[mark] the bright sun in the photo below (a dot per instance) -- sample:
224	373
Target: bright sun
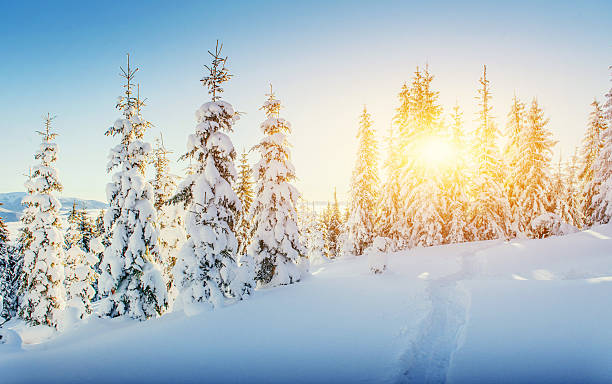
435	152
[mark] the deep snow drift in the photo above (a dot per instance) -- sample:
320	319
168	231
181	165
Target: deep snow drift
528	310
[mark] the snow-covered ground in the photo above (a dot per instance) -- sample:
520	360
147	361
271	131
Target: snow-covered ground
490	312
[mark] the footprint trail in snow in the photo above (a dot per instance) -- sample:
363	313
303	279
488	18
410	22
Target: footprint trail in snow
429	357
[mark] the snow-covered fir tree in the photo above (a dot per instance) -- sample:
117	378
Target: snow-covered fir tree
600	208
562	195
99	224
361	223
423	179
573	190
86	228
390	215
490	211
80	278
4	234
601	205
533	169
170	217
404	125
316	244
79	274
79	269
99	231
512	155
131	281
11	270
8	290
589	152
608	104
311	234
12	274
25	237
42	287
275	242
332	227
427	205
73	236
456	228
244	190
208	269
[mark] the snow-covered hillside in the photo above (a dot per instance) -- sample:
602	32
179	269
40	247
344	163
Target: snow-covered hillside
527	310
11	207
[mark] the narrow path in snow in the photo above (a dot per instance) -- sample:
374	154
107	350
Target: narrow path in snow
429	357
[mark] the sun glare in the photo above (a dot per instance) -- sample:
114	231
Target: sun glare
437	153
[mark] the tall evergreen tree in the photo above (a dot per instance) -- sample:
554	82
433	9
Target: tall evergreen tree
169	216
73	235
79	273
80	278
12	274
512	155
208	269
490	212
311	234
534	169
244	190
403	122
86	228
332	223
390	216
8	292
601	206
573	191
275	242
562	195
608	104
324	221
131	279
364	189
423	180
600	189
589	152
43	278
4	233
99	231
456	229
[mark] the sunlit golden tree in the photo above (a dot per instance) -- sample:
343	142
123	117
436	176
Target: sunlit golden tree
456	228
364	189
533	169
390	219
244	190
490	211
512	155
421	170
591	145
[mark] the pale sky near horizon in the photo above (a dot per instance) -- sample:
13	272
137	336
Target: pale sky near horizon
326	59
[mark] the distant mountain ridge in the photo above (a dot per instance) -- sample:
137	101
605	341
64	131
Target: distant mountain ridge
11	207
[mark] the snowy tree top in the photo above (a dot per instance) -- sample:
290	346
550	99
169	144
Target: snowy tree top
272	105
132	125
218	73
47	134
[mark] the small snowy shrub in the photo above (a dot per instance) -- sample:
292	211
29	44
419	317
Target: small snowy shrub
550	224
377	255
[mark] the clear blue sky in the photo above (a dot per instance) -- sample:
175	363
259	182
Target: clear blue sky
325	60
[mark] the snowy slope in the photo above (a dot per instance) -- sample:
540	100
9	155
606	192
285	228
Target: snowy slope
536	310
